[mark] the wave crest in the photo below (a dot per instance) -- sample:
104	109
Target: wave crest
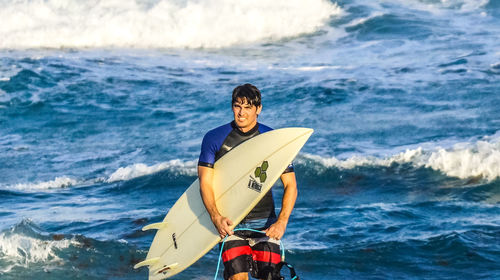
157	24
463	160
140	169
23	245
176	167
57	183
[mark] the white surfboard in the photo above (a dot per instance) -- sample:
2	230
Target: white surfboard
241	178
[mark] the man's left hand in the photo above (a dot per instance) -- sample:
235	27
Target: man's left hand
276	230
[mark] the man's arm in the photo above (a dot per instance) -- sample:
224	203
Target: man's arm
221	223
277	230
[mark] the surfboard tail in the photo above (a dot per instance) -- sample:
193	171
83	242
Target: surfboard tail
166	268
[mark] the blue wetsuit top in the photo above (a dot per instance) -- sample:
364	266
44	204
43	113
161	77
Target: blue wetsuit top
221	140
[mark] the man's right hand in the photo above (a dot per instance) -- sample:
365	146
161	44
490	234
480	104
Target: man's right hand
222	224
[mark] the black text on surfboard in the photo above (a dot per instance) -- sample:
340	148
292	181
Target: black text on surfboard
253	185
175	240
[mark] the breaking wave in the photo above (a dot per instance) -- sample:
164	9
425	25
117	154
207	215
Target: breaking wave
480	159
175	167
27	247
463	160
57	183
140	169
157	23
23	245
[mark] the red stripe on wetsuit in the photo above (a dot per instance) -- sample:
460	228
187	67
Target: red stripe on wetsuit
260	256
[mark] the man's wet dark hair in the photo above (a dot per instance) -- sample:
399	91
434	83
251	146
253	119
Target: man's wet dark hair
248	93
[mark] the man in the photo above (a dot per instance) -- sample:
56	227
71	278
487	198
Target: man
245	251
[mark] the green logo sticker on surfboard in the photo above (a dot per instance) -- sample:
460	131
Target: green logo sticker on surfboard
260	172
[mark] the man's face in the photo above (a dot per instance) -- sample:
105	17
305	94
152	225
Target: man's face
245	115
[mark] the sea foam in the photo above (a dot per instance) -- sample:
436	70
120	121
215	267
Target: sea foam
140	169
129	172
57	183
22	249
157	24
462	160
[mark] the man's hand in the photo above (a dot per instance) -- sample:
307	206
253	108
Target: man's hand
276	230
222	224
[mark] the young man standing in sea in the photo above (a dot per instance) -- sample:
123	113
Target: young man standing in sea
245	251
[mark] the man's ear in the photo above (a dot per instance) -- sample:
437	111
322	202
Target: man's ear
259	109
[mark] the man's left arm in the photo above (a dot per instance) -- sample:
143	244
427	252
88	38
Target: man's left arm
277	230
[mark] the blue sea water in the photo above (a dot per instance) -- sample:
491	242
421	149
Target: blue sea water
103	105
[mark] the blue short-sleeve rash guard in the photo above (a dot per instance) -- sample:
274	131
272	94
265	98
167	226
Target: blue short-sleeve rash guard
221	140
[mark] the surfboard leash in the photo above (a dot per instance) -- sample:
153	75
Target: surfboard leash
279	266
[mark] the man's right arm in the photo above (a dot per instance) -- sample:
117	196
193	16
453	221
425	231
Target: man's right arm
221	223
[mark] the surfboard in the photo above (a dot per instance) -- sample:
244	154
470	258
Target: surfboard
241	178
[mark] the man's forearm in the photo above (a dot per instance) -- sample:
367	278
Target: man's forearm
207	196
207	192
288	202
222	224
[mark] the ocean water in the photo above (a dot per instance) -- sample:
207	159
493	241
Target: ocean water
103	105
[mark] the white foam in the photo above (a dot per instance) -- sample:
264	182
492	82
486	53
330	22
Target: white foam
23	250
463	160
365	19
308	68
467	5
481	159
434	6
121	174
57	183
302	242
140	169
157	23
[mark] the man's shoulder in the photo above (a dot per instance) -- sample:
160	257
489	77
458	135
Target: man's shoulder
220	131
264	128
